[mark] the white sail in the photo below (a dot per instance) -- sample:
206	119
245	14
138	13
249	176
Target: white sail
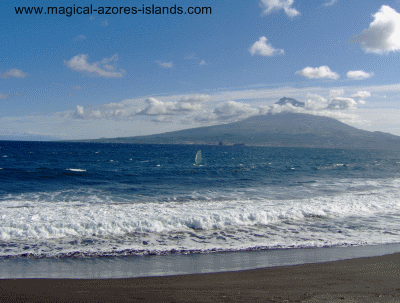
198	158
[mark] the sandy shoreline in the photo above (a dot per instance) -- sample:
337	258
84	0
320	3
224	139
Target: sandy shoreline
369	279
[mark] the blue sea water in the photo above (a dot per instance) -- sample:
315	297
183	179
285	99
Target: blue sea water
61	200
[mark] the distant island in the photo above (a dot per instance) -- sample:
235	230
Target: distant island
279	130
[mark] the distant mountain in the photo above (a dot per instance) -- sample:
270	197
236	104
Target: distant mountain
286	130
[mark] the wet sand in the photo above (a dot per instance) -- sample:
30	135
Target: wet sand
371	279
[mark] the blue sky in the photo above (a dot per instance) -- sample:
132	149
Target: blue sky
92	76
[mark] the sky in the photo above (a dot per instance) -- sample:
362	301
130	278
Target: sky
84	76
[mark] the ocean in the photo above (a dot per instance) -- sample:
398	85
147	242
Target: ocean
62	200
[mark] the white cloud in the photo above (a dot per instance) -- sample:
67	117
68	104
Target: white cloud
164	64
114	105
334	106
202	62
105	68
3	96
359	75
261	48
195	98
269	6
13	73
336	92
332	2
264	109
342	103
185	105
315	102
79	113
156	107
337	101
383	34
159	110
107	111
322	72
234	110
286	108
361	95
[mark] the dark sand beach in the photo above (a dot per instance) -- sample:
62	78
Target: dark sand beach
369	279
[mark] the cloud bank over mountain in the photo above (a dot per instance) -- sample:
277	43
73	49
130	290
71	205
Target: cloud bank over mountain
205	109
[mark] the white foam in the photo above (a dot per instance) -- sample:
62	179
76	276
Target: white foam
76	169
95	222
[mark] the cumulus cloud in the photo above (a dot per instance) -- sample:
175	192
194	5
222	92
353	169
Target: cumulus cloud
79	113
336	92
383	34
342	103
114	105
338	102
184	105
237	110
158	110
336	105
156	107
322	72
3	96
268	6
13	73
358	75
164	64
105	111
105	68
195	99
361	95
261	48
316	102
186	109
